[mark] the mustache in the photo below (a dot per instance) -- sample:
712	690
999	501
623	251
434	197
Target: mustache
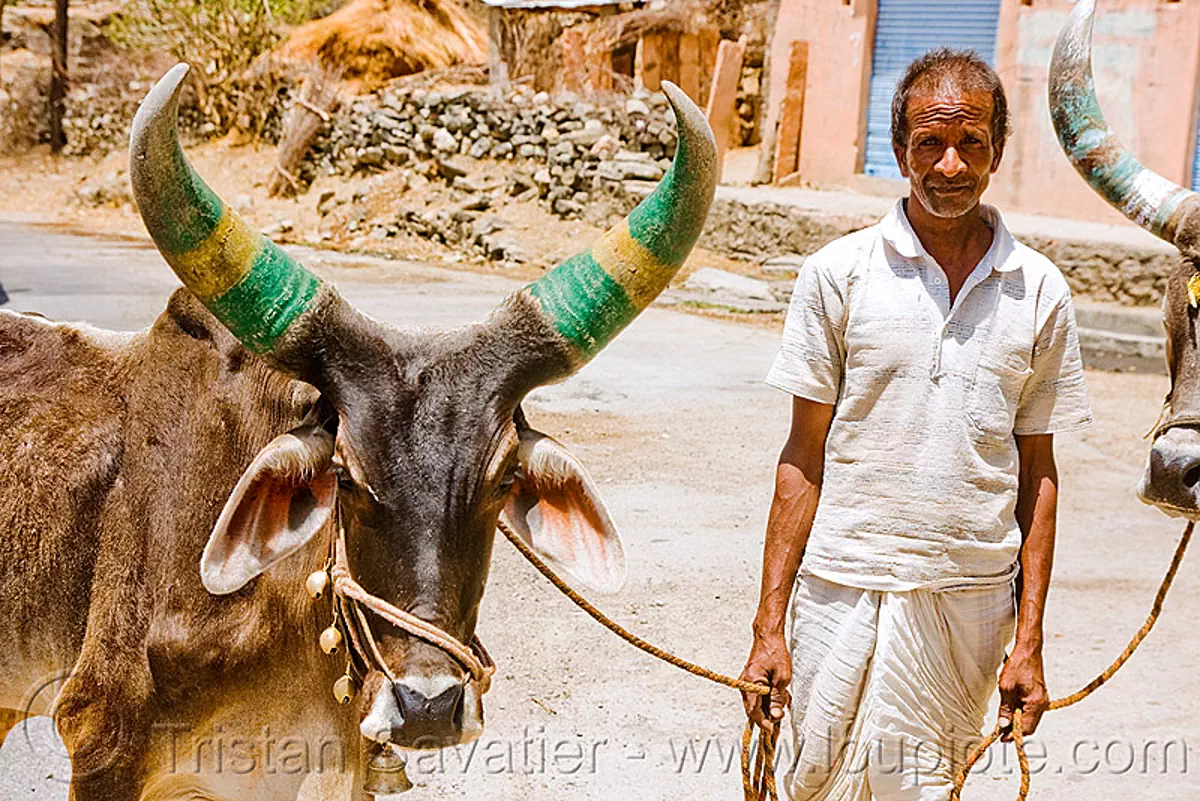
950	185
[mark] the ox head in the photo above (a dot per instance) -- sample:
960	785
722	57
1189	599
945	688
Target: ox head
419	444
1172	478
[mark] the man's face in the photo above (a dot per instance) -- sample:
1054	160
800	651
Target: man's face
949	155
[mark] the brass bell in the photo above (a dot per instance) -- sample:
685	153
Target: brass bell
387	773
316	584
331	640
344	689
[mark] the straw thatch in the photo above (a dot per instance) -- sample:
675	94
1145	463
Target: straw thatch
373	41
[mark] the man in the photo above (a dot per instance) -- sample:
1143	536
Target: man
931	358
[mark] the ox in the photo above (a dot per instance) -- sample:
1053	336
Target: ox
260	419
1171	481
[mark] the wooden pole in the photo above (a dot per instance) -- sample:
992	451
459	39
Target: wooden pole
722	100
497	68
791	113
689	66
574	61
58	76
649	61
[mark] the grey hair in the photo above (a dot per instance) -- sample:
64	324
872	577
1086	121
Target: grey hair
963	69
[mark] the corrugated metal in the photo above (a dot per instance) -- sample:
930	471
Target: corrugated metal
905	30
1196	161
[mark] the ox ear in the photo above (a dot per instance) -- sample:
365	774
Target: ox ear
283	499
555	507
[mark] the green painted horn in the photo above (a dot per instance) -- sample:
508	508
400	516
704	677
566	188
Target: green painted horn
1150	200
255	289
590	297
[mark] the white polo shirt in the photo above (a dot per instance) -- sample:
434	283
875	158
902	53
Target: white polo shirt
920	481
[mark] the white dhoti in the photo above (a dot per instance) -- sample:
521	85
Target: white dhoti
889	689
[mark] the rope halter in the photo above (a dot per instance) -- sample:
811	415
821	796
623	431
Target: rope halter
351	603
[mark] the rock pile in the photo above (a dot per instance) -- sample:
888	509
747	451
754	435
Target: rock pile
563	149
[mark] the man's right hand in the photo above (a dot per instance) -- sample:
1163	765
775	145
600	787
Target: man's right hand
769	663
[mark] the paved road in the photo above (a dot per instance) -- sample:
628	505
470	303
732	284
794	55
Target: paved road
680	433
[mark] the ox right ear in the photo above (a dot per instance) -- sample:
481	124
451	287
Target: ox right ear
282	500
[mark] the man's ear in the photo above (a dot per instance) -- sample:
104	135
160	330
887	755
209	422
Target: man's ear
555	507
283	499
900	162
997	157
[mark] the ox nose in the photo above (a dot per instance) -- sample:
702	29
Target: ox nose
430	703
423	712
1172	478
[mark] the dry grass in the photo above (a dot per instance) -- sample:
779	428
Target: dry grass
373	41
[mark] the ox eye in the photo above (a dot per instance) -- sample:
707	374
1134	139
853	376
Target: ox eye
343	478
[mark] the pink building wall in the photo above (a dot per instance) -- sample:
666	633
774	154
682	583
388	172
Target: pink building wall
1147	67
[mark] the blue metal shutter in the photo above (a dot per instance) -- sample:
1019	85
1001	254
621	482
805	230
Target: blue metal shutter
1196	161
906	30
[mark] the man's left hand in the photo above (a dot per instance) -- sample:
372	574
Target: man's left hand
1023	687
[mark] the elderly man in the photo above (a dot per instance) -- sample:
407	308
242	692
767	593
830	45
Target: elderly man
931	359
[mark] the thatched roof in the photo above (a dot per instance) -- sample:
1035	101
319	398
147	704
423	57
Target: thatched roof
375	40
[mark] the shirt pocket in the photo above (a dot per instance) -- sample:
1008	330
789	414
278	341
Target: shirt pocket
995	393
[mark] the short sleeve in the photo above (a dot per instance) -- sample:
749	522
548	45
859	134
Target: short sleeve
812	354
1055	399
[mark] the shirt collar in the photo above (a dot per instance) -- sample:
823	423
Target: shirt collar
897	232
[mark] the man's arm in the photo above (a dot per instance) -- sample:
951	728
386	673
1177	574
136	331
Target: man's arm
1022	682
797	488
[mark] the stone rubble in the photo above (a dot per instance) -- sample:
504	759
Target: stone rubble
565	151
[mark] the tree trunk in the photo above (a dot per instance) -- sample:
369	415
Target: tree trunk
766	148
58	76
3	3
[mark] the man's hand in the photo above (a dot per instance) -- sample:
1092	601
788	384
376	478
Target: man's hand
1023	686
769	663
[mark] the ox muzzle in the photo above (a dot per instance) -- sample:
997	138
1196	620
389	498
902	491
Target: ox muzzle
1172	478
436	699
422	709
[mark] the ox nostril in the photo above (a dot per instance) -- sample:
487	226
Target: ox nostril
384	718
1192	476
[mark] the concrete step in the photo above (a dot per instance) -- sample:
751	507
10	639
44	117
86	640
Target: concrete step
1121	338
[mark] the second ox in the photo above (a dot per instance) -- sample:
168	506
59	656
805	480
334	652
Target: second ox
1172	478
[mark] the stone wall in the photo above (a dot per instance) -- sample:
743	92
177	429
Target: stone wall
563	150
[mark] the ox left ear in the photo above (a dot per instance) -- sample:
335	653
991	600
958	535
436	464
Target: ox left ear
282	500
555	507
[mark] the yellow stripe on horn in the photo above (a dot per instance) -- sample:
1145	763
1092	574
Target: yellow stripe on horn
631	264
221	259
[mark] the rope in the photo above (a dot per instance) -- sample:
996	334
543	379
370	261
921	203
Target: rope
1018	736
479	666
758	775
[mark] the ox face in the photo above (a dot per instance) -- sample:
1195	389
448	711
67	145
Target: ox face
415	448
1172	477
417	443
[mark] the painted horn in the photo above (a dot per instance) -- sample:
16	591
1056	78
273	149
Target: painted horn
592	296
1142	195
255	289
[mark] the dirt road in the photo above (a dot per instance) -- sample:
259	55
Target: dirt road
679	431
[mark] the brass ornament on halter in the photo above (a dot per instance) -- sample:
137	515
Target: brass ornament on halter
345	688
317	584
331	640
387	773
1193	290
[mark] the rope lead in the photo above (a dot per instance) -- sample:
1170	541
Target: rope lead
758	765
